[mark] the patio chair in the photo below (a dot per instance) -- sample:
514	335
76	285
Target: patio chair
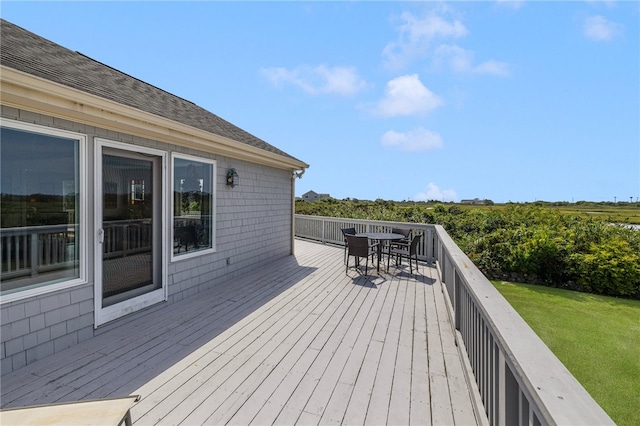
408	252
359	247
185	235
345	232
402	244
405	242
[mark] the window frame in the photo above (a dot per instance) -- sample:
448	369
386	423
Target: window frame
82	215
214	164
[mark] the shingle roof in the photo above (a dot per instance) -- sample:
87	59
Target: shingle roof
32	54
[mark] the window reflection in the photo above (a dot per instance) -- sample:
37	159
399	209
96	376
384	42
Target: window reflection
39	209
192	205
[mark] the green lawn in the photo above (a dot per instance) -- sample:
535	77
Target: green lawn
596	337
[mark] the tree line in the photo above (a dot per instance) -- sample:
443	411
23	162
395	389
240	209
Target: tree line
520	242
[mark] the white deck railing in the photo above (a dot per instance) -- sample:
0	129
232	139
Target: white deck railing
31	250
519	380
328	230
125	237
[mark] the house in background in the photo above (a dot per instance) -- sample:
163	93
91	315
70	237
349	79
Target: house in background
118	197
476	201
313	196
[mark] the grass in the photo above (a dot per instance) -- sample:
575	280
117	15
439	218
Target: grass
614	213
596	337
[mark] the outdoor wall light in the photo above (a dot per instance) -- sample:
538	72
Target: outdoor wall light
232	178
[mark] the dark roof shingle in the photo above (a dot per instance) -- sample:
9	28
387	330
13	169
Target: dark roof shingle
32	54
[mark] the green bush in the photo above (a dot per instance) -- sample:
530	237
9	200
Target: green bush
520	242
543	256
611	267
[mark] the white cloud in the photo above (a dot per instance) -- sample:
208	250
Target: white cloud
607	3
511	4
462	61
416	140
598	28
417	34
418	38
406	95
492	68
433	192
457	58
342	81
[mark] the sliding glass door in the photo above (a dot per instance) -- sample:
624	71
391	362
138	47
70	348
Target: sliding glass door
129	218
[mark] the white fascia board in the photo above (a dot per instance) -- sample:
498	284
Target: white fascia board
25	91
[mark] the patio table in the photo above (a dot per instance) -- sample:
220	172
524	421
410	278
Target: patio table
381	236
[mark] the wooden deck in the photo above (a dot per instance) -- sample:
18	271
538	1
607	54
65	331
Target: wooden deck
297	342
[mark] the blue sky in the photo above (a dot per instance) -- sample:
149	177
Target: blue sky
510	101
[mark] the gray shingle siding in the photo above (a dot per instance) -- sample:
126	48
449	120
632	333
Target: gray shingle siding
253	220
253	225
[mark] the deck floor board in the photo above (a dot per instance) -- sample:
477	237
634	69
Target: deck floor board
298	341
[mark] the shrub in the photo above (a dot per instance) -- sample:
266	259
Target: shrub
529	243
610	268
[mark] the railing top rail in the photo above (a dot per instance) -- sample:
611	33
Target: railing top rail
37	229
368	221
557	393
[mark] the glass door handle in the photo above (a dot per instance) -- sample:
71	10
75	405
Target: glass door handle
101	235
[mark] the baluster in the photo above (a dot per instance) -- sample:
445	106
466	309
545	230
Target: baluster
34	254
9	254
6	252
25	251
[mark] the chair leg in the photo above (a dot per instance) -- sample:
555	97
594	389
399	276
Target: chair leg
389	254
398	259
411	263
356	264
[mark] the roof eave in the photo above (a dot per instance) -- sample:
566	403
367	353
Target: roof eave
28	92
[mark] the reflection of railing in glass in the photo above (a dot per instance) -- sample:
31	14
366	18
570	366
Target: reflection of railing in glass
125	237
191	233
127	258
37	252
192	205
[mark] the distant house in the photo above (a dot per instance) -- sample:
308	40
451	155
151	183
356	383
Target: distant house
476	201
118	196
313	196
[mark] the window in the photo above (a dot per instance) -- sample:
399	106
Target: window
41	220
193	206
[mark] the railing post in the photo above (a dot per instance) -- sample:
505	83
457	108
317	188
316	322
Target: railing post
457	309
443	267
34	254
125	240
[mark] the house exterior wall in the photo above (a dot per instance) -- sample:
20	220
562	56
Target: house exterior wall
253	227
313	196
